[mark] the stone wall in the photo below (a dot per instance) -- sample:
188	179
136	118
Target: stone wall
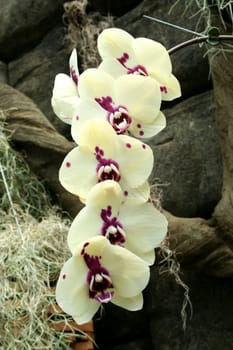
188	163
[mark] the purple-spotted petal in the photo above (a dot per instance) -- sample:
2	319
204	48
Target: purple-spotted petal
78	172
136	160
94	83
72	292
113	42
146	130
141	193
152	55
90	220
73	63
172	89
113	67
131	304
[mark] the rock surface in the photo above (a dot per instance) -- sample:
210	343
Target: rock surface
33	73
24	23
187	155
187	158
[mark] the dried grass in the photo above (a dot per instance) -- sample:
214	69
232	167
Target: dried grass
33	249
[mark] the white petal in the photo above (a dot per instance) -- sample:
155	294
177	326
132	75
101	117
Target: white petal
113	42
148	257
141	95
113	67
152	55
131	304
78	172
129	273
144	225
146	130
94	83
84	111
86	225
104	194
64	98
172	89
72	292
136	161
73	63
140	193
99	133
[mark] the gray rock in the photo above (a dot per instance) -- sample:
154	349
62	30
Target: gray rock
24	23
33	74
189	66
187	158
112	7
210	327
3	73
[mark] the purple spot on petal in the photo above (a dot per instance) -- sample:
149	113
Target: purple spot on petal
68	164
128	145
64	276
139	126
126	193
141	132
163	89
77	117
143	146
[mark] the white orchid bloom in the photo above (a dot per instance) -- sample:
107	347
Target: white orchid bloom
137	226
65	91
123	54
98	273
128	103
103	155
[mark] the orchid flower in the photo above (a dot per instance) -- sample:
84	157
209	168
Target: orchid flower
128	103
137	226
123	54
65	91
103	155
98	273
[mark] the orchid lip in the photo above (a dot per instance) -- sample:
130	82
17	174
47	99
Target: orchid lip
112	228
107	169
98	279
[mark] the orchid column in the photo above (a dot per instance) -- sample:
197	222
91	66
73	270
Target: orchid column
112	239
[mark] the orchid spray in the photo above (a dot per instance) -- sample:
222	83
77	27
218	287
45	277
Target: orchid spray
111	109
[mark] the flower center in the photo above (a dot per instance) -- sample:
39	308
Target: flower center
98	278
112	228
119	119
118	116
107	169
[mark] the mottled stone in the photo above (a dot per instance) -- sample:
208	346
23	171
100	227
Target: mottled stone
33	74
3	72
24	23
188	160
112	7
209	328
